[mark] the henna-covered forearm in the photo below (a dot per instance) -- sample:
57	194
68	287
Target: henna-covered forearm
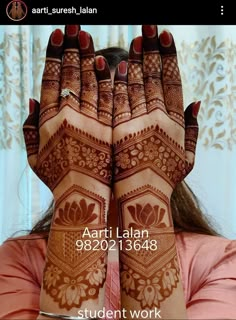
150	272
69	143
154	143
73	276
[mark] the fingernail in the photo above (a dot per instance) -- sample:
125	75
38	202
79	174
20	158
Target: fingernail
150	31
84	39
165	38
138	45
31	106
196	108
100	63
122	68
57	38
72	30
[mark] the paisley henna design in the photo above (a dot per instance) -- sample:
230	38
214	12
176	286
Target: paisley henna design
72	149
150	148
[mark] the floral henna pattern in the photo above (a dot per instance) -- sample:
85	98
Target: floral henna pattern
71	291
150	148
141	213
150	292
148	275
76	214
74	275
75	150
147	216
90	208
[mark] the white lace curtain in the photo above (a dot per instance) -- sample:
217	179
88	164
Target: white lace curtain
207	60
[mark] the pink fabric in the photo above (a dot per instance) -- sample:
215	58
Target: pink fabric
208	268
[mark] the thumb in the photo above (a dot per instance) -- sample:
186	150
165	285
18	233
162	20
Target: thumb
31	133
191	133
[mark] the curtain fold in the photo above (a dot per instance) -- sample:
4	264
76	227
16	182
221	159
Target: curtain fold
207	61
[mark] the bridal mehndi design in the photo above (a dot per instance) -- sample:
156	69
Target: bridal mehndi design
153	151
69	148
69	139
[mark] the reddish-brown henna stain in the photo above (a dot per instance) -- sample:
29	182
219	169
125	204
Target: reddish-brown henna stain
71	276
149	276
72	149
150	148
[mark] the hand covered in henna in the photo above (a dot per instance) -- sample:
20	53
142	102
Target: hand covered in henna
153	137
70	131
68	139
154	143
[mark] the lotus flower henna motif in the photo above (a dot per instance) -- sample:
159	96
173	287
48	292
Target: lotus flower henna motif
76	213
147	216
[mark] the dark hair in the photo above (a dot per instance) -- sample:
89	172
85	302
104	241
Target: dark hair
113	55
186	209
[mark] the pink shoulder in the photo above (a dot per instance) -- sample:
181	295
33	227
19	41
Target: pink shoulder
24	254
204	259
22	243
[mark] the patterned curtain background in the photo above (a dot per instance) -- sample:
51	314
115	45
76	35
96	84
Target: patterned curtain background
207	60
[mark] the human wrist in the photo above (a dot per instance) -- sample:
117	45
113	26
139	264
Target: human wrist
138	181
